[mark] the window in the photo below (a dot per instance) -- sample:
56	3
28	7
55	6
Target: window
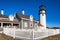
0	24
25	24
31	24
42	14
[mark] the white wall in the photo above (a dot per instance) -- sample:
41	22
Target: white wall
43	20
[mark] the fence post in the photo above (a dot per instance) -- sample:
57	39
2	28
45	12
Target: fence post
14	32
33	34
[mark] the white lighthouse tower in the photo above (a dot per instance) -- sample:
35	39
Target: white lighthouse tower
42	16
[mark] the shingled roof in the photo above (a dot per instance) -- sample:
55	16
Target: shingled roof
7	20
3	16
22	16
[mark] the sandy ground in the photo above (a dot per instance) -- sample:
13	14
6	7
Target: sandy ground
54	37
5	37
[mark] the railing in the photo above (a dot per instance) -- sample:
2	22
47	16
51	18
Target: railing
29	33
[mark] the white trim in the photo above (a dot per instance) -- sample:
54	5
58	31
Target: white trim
25	18
10	22
6	22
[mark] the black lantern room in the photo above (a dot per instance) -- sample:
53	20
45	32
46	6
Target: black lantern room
42	9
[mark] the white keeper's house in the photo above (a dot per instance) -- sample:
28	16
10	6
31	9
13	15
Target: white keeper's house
23	21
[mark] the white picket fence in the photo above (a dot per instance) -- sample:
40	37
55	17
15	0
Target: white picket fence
29	33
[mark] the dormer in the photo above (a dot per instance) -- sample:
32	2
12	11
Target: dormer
11	17
31	18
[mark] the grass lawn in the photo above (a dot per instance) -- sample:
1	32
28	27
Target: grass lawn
54	37
5	37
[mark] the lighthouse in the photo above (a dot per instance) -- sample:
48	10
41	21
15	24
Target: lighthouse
42	16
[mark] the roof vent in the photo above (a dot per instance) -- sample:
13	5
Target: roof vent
2	11
23	11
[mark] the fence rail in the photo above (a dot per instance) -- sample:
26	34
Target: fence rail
30	34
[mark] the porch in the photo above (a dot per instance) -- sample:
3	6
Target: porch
8	24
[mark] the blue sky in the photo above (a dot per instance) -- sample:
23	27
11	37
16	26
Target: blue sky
32	7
